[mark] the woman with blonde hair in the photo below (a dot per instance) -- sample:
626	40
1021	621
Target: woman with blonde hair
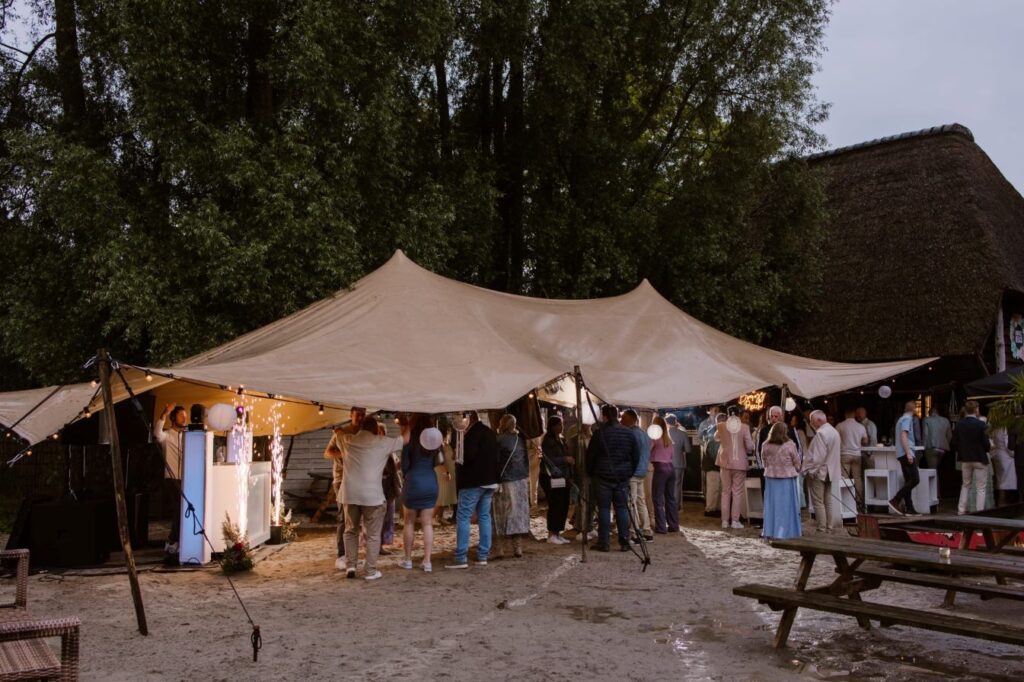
666	506
781	493
512	499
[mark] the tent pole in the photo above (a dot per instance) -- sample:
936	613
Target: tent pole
783	396
581	465
103	361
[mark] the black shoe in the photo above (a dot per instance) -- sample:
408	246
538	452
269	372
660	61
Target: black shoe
649	537
600	547
623	548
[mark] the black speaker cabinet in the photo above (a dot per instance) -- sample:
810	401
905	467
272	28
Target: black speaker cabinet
68	533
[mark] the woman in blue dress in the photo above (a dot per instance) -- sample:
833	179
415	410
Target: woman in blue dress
781	498
419	493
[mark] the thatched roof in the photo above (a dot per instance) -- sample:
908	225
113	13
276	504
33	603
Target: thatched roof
923	236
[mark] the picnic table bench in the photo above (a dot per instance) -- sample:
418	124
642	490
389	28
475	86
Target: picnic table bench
843	594
998	534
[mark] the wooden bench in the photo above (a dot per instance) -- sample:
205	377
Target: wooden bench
784	599
985	590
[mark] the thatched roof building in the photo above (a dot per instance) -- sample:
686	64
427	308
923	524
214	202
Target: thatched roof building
925	242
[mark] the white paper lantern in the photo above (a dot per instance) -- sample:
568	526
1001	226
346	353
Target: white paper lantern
431	439
220	417
884	391
654	431
588	416
790	404
733	424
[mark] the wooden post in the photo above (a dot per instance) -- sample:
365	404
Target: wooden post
103	362
1000	339
581	466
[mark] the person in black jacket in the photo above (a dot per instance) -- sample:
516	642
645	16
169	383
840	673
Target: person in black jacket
971	443
476	478
612	457
556	465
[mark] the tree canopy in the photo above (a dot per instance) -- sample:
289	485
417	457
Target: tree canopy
177	172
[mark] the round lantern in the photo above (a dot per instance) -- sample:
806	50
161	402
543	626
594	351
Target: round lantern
884	391
654	431
431	439
221	417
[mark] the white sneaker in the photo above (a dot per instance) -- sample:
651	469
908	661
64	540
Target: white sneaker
427	568
340	563
562	541
554	540
725	524
737	525
406	564
376	575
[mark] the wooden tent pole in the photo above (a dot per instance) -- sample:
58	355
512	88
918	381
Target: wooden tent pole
581	455
103	361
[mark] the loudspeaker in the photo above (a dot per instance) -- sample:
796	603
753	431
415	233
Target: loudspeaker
67	533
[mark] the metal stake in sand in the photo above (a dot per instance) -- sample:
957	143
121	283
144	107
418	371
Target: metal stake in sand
103	362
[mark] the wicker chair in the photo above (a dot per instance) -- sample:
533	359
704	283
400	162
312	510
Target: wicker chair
24	652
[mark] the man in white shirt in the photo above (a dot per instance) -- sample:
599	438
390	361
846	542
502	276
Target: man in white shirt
335	451
170	442
363	495
821	467
853	436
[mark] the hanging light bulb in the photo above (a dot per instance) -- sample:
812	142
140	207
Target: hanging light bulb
55	436
94	383
149	377
320	409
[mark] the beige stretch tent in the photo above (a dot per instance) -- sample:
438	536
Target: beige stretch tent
403	338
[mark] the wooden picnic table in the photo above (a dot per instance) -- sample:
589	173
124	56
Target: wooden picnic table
843	594
967	526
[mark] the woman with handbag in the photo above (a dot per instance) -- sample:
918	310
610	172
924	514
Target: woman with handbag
512	499
555	472
420	490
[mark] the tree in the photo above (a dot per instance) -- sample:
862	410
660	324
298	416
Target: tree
176	173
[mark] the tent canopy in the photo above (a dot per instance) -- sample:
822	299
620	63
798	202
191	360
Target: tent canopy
995	386
403	338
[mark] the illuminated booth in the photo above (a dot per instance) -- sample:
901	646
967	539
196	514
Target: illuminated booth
222	481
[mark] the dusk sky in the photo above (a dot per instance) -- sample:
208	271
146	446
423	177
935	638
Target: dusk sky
894	66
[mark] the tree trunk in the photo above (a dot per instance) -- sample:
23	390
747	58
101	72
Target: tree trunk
514	162
259	93
69	69
444	120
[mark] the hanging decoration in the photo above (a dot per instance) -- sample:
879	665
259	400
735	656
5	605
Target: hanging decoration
1017	337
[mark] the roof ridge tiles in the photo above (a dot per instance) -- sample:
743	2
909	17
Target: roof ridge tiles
949	128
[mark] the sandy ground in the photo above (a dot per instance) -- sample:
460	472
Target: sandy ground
546	615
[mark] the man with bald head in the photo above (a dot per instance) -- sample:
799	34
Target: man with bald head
821	467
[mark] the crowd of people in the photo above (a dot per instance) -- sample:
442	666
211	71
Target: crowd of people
485	475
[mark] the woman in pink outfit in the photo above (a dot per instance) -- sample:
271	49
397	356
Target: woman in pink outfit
735	445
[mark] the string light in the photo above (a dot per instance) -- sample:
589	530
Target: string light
320	409
94	383
530	396
28	453
149	377
55	436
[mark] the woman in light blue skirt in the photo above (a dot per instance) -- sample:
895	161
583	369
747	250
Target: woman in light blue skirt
781	494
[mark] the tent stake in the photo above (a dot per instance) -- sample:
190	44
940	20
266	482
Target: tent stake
581	455
103	360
